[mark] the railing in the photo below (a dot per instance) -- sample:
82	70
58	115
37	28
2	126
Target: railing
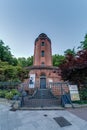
7	85
61	89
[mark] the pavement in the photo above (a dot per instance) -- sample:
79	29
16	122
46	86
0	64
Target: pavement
80	112
40	119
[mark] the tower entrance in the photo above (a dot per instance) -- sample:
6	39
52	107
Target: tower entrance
43	81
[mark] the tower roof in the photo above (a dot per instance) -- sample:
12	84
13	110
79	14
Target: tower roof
42	36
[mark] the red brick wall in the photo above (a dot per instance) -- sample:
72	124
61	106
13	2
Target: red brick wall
50	74
38	59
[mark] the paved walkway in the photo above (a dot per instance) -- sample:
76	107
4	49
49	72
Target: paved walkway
80	112
38	120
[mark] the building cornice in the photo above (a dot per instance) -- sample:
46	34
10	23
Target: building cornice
42	67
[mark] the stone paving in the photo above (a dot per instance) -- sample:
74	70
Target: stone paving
80	112
37	120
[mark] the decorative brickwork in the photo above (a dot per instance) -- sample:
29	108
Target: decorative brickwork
43	73
42	51
42	67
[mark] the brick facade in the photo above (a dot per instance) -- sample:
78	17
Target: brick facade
42	45
46	75
52	74
42	63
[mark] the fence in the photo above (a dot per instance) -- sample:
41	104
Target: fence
57	88
9	85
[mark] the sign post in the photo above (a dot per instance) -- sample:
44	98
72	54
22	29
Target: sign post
74	92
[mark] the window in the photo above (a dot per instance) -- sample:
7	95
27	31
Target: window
42	44
42	53
42	63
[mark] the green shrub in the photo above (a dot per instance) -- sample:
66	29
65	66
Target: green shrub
15	92
83	94
9	95
2	94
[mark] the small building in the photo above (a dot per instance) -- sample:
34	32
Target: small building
43	73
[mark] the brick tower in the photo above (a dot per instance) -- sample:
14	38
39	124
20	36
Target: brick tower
42	51
42	71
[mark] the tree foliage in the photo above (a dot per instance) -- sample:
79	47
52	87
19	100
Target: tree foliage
24	62
57	59
84	43
12	73
5	54
11	68
30	61
70	52
74	68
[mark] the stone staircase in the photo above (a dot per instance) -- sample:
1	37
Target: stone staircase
43	94
42	98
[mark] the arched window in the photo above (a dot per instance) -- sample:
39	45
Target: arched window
42	53
42	44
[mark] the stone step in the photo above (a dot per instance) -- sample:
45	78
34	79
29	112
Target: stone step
41	102
42	98
43	94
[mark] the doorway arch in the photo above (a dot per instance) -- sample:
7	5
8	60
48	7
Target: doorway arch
42	81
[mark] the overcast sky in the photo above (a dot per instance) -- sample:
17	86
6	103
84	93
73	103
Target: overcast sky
21	21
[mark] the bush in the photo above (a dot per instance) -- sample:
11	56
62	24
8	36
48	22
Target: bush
9	95
83	94
15	92
1	94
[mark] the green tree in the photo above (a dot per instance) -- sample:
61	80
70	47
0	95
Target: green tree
22	61
22	73
2	76
5	54
14	61
57	59
30	61
10	73
84	43
70	52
